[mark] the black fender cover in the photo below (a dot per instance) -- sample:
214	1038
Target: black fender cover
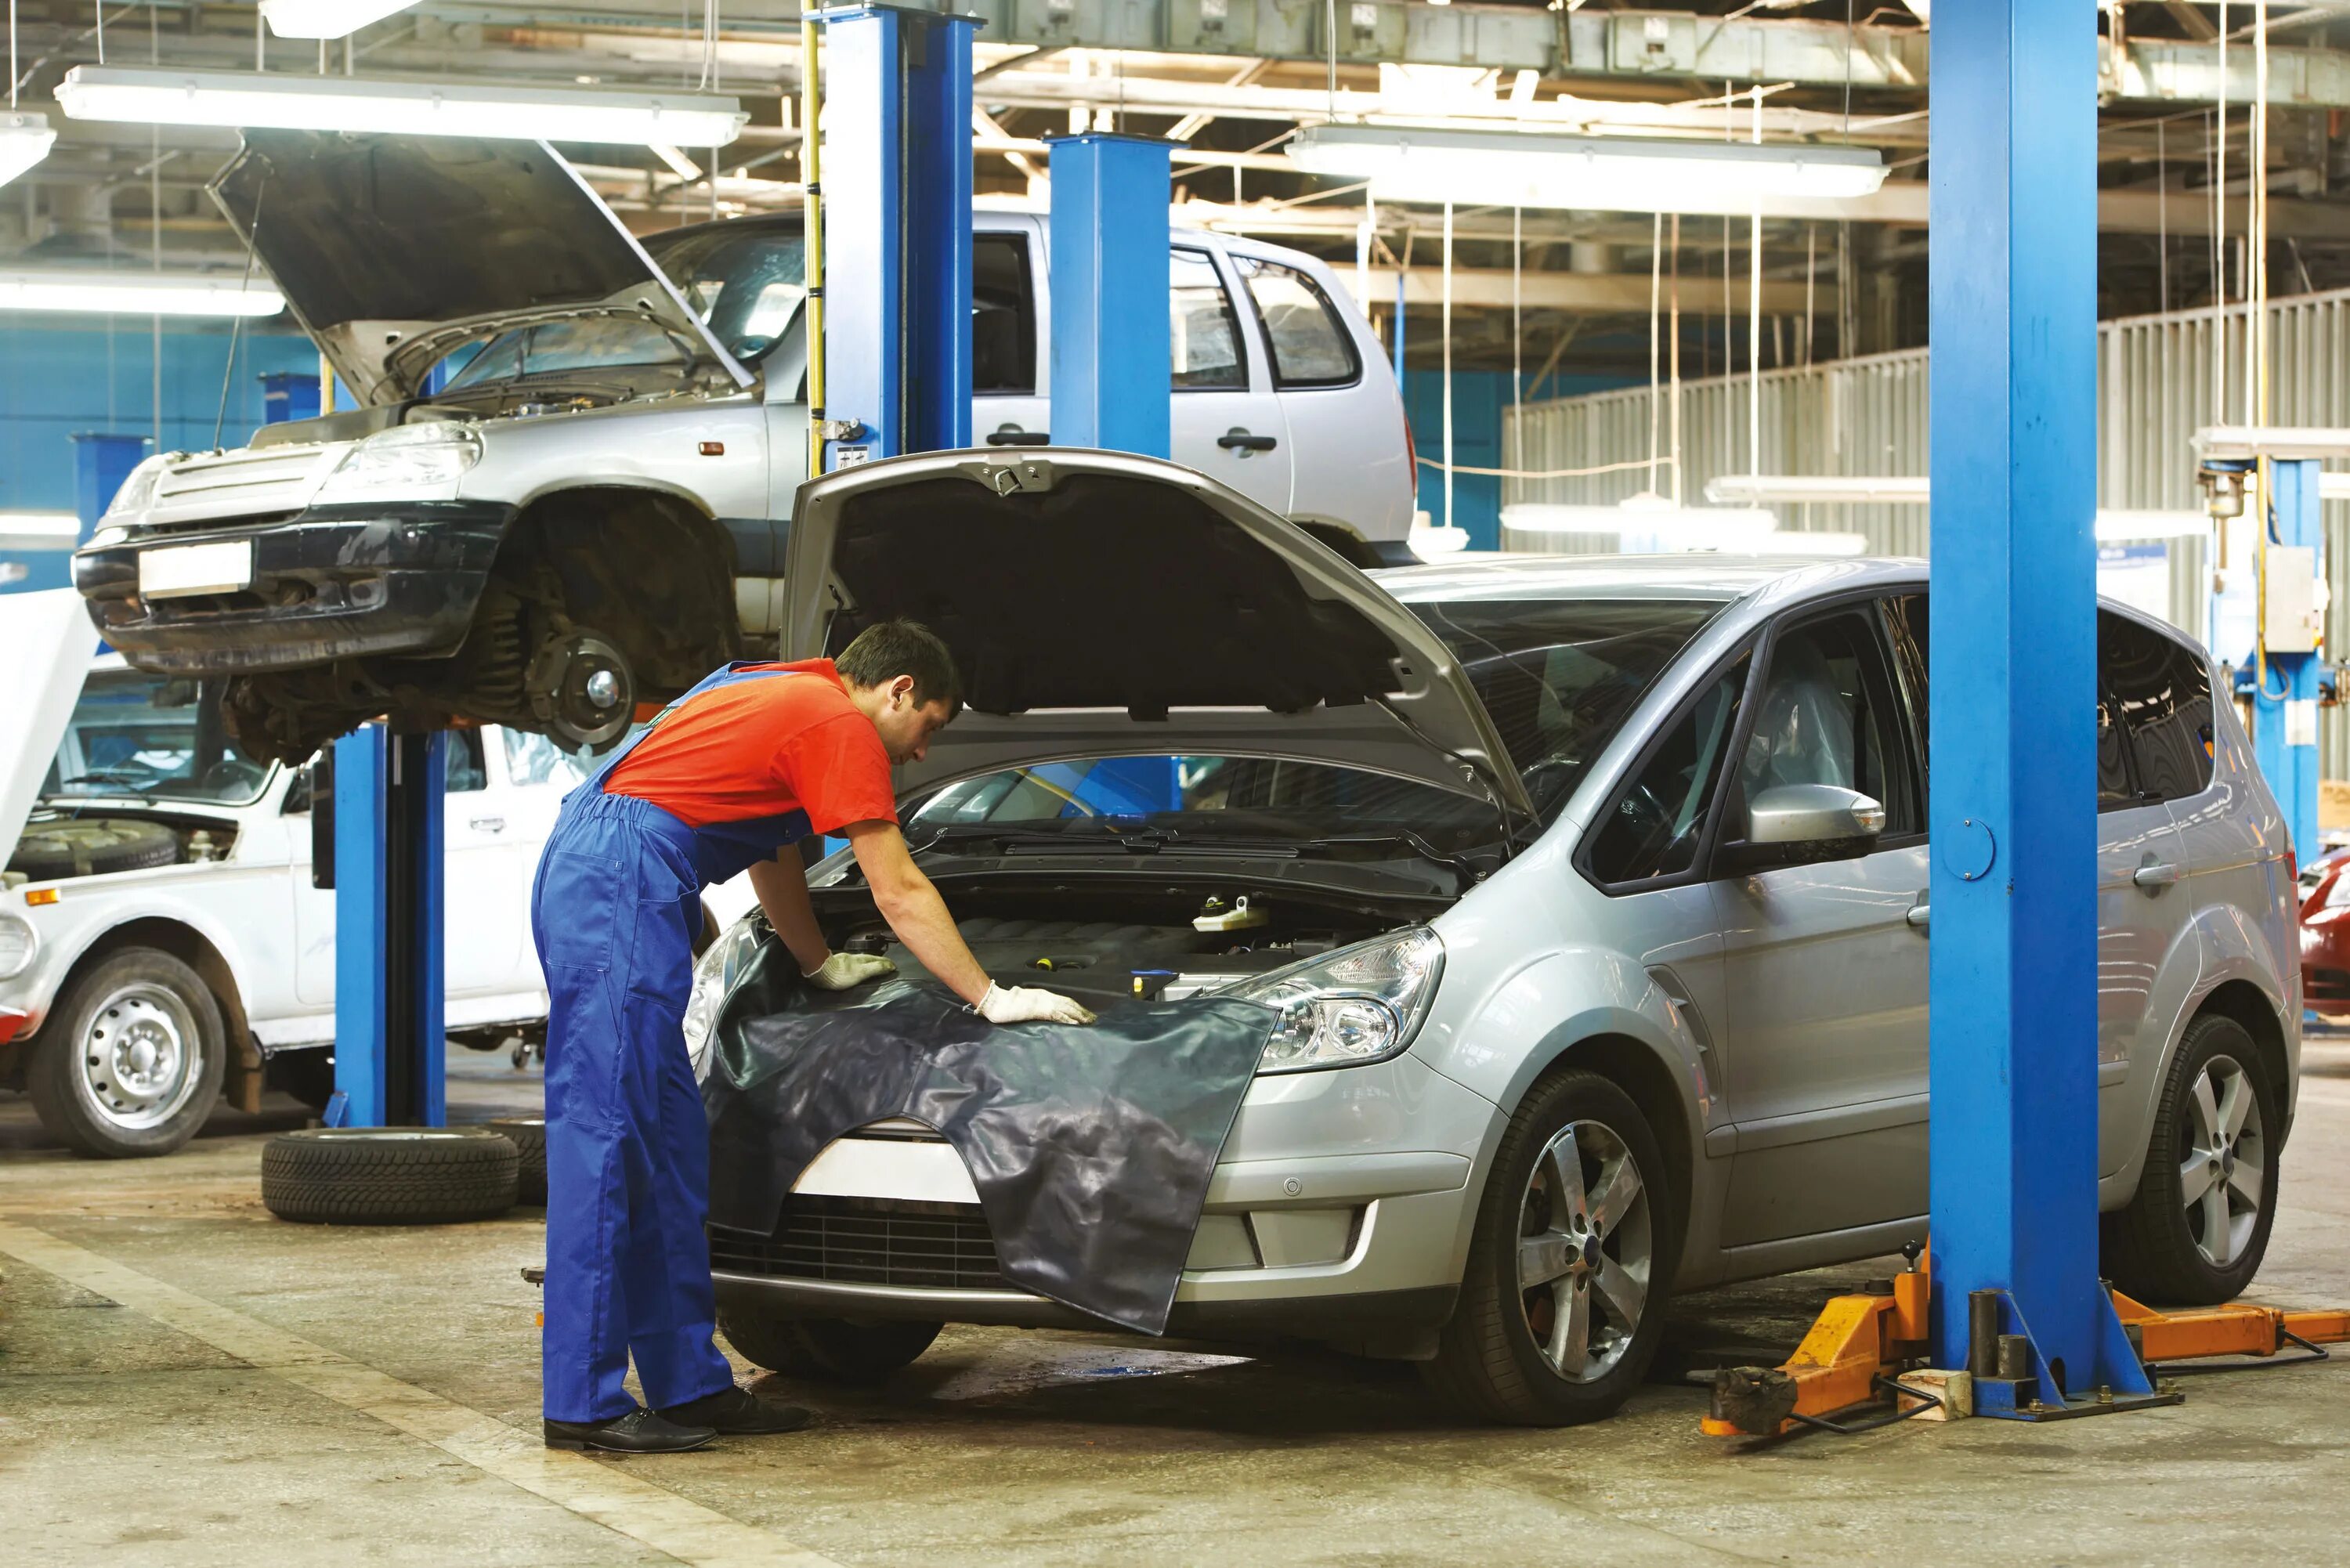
1090	1146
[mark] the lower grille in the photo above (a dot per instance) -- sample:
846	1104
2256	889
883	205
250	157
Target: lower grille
860	1240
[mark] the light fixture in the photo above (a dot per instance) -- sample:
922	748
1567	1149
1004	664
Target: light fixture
1521	169
1428	543
24	139
326	18
2114	525
148	95
1830	489
1647	523
128	293
22	531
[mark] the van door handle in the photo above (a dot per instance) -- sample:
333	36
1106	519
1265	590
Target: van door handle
1013	435
487	823
1920	916
1239	440
2155	875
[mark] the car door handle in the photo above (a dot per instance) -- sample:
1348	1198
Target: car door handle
2155	875
486	823
1920	916
1237	440
1011	435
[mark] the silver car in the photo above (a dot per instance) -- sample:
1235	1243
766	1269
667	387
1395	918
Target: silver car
1591	894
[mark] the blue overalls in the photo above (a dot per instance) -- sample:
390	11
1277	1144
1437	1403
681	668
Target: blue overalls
614	912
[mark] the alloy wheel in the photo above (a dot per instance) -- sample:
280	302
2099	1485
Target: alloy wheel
141	1057
1586	1247
2223	1169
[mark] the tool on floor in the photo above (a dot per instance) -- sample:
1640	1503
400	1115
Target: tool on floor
1866	1356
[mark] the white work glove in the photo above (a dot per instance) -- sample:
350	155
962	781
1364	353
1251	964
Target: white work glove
1027	1004
842	971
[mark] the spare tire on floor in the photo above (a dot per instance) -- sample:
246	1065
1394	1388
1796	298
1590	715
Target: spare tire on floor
529	1135
387	1176
91	846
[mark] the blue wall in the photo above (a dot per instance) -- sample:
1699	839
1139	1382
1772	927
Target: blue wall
56	380
1478	399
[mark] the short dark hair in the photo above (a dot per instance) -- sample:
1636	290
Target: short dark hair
888	649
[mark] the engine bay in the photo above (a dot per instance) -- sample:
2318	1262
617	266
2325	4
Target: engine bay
57	846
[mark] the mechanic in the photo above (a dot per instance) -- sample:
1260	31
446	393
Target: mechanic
729	777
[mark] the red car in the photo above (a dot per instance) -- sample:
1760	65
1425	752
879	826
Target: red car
2325	933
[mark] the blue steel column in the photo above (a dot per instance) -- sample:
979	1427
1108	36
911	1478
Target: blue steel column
2285	736
389	958
1110	274
2012	256
896	218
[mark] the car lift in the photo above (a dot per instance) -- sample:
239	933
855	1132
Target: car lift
2009	1293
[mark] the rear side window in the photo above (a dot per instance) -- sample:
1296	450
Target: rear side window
1311	346
467	769
1654	827
1002	315
1202	330
2161	692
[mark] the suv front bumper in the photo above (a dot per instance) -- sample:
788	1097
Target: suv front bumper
332	582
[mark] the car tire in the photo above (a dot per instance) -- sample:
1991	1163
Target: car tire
1541	1274
2198	1227
129	1062
387	1176
529	1135
92	847
826	1350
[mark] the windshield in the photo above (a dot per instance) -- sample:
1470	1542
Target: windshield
746	282
1203	798
589	343
152	735
1561	676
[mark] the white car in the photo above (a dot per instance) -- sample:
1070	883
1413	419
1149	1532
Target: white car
564	492
160	937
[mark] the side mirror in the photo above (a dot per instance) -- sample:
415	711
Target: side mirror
1812	814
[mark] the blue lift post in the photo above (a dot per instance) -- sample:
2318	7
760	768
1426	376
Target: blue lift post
387	850
1111	347
2284	682
2013	250
897	221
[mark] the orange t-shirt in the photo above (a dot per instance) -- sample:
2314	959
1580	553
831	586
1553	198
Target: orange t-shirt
767	746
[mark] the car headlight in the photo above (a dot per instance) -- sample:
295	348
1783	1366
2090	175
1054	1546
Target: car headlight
18	943
1361	1003
2339	894
138	492
714	973
405	457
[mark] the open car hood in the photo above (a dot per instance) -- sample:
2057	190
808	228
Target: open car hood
49	641
1103	604
392	251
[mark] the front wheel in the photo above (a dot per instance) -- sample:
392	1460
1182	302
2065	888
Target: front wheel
129	1061
1559	1309
2198	1227
826	1350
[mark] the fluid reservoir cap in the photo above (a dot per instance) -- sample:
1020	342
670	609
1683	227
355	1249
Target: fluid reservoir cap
1970	850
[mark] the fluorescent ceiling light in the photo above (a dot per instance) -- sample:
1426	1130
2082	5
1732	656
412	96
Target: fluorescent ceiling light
39	530
1837	489
1429	543
1513	168
2119	525
147	95
24	139
326	18
138	294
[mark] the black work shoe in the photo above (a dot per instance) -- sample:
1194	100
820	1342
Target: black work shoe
737	1411
640	1431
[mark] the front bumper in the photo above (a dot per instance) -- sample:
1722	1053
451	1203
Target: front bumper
332	582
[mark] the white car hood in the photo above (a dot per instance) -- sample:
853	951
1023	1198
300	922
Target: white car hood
48	632
392	251
1099	603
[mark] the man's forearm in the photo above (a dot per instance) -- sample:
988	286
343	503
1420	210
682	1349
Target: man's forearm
782	887
920	917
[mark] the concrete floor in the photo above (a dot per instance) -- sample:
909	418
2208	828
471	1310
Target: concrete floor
185	1380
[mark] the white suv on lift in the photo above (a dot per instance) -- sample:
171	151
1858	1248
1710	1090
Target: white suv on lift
564	492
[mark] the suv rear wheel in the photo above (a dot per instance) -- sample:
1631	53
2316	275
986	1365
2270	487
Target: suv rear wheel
2196	1230
1561	1308
129	1061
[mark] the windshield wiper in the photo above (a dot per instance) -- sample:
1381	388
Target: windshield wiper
1460	866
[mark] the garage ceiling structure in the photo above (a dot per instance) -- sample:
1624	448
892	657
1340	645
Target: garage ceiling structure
1235	80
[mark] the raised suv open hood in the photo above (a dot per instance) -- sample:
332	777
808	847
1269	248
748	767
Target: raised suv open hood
1099	603
393	250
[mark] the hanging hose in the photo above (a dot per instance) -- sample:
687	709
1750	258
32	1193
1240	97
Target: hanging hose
811	239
